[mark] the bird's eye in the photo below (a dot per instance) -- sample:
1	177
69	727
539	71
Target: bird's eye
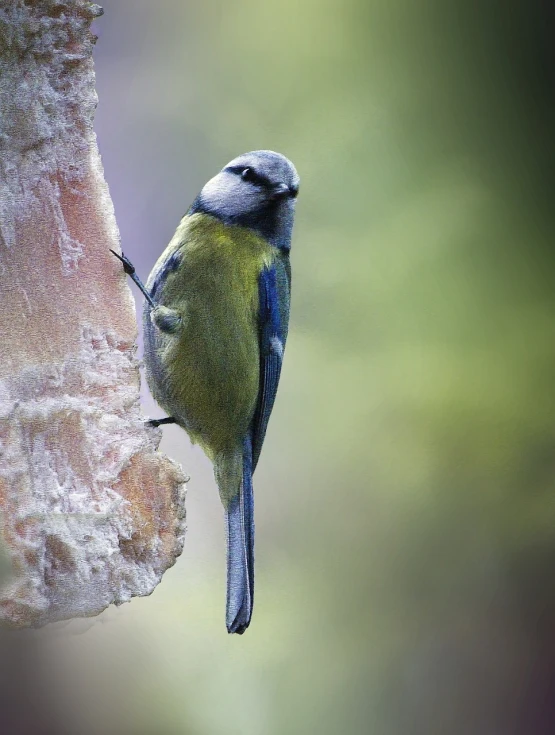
247	174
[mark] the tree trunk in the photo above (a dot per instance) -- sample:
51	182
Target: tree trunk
92	514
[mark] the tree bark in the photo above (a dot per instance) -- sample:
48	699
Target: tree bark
92	514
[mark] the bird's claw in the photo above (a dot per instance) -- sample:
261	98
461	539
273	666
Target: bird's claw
160	422
128	266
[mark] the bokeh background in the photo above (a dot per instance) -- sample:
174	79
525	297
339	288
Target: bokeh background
405	500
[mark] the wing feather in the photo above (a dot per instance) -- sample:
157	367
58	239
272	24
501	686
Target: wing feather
273	317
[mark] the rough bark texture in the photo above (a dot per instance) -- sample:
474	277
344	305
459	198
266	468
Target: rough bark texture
91	513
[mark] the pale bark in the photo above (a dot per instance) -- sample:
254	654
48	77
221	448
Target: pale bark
92	514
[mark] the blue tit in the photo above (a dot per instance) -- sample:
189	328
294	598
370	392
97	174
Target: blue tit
215	326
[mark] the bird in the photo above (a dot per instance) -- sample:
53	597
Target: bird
215	324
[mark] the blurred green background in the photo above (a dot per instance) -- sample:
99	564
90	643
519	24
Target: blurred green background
405	504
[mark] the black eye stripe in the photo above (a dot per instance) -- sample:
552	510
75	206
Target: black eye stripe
253	176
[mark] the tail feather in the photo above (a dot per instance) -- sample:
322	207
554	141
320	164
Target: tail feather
240	550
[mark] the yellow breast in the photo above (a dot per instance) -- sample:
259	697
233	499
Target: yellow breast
207	373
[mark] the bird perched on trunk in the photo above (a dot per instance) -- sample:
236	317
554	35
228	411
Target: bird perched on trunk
215	325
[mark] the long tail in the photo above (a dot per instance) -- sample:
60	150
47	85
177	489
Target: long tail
240	550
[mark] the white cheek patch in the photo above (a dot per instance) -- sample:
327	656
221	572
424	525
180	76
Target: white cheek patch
215	191
227	195
276	346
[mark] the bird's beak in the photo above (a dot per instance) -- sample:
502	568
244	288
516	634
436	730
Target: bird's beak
281	191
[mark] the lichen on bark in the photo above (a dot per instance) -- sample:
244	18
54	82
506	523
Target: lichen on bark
91	513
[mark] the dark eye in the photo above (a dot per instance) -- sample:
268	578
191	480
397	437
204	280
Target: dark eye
247	174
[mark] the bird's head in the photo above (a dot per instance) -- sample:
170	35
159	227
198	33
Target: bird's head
255	190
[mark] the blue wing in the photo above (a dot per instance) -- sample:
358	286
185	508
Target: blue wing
274	287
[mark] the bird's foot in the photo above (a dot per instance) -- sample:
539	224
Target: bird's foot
129	269
160	422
